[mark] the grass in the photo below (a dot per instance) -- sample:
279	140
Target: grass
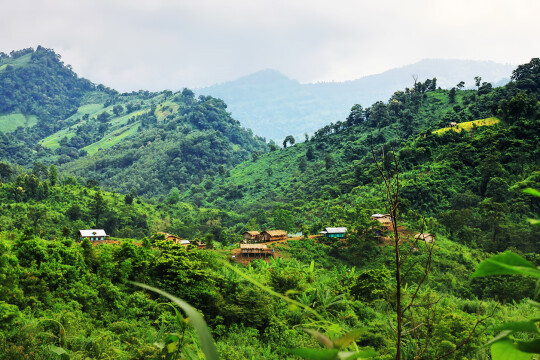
110	139
467	126
18	62
10	122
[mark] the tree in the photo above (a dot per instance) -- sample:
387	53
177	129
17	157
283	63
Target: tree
97	207
118	109
53	175
40	170
527	76
328	161
302	164
289	139
452	95
37	214
477	81
356	115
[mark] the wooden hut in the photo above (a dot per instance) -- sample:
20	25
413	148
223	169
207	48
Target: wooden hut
170	237
251	235
272	235
425	237
385	220
255	250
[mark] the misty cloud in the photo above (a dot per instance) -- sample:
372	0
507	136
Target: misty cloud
131	45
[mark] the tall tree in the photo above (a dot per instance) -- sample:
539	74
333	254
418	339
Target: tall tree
53	175
289	139
97	207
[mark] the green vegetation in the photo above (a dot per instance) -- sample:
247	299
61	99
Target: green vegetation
468	125
169	162
11	122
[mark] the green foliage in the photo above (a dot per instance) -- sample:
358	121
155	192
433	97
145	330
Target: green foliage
504	345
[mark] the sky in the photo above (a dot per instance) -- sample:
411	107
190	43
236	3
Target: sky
171	44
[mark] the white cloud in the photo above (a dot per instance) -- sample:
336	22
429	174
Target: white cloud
158	44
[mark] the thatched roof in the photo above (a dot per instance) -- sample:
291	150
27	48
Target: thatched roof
275	232
253	246
252	233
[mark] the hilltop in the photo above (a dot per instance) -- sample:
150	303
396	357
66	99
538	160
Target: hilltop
274	106
52	116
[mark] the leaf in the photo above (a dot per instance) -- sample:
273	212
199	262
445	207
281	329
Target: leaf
171	347
523	326
312	354
506	263
207	342
57	350
320	338
349	337
312	266
529	346
503	335
505	350
532	192
363	354
534	221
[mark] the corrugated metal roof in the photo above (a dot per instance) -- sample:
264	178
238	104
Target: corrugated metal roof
336	230
184	242
93	232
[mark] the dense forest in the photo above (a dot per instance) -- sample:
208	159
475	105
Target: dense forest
141	164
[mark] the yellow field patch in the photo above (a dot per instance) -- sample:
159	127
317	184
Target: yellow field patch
467	126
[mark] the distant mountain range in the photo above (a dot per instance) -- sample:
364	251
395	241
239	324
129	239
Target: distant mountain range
274	106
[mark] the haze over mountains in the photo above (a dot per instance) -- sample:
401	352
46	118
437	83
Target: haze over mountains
274	106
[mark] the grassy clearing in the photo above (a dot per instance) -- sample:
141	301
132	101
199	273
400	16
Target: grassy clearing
467	126
19	62
53	141
11	122
111	139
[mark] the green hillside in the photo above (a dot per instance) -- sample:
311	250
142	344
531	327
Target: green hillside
140	163
321	179
88	129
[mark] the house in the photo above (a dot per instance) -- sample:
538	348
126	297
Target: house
170	237
255	250
184	242
426	237
251	235
452	124
93	234
334	232
385	220
272	235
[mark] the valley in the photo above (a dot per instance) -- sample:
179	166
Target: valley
150	169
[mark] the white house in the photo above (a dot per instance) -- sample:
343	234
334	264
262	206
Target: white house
93	234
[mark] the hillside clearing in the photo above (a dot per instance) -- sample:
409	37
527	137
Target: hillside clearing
469	125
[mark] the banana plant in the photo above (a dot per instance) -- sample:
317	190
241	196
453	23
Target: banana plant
335	349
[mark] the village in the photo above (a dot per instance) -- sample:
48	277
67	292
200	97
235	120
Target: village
262	244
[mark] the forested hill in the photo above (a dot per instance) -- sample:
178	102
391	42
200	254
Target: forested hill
274	106
470	180
140	141
36	82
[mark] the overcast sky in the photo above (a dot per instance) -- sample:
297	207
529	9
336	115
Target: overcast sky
171	44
